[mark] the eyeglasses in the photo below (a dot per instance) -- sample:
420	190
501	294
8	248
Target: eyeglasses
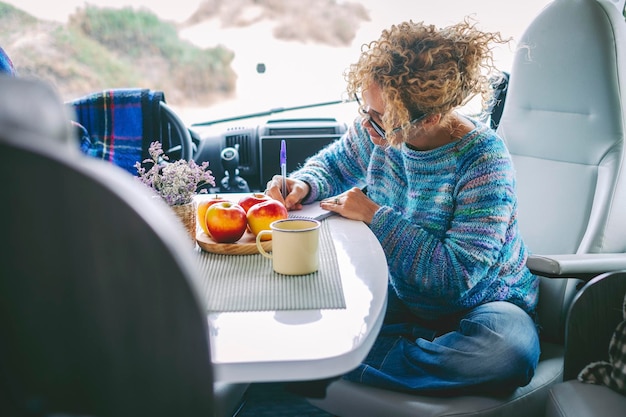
365	112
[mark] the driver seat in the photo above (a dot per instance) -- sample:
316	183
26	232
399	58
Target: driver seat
563	123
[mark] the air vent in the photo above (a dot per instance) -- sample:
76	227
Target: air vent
245	147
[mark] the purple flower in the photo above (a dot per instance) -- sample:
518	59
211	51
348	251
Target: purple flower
175	182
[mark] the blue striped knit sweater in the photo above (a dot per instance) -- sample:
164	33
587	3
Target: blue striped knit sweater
447	221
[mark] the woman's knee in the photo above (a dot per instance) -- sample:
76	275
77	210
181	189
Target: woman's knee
514	343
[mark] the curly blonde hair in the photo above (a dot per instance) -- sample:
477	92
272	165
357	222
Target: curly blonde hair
422	70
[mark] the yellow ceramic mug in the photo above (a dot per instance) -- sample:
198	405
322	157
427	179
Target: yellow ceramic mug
295	246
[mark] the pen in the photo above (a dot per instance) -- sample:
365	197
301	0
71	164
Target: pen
283	166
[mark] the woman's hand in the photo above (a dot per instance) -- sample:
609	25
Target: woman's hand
296	191
353	204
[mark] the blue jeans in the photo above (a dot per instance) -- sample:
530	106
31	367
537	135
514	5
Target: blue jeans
493	348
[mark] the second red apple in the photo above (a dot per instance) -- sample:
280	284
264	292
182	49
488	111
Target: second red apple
250	200
262	214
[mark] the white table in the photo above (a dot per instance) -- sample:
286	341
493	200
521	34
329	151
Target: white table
308	344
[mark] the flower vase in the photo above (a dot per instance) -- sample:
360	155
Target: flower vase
187	215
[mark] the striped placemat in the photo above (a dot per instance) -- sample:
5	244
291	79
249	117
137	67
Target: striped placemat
248	283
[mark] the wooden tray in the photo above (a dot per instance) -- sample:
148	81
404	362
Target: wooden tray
244	246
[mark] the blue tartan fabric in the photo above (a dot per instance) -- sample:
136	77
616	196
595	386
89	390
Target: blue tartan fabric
118	125
6	65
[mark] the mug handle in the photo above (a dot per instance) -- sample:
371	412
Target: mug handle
258	243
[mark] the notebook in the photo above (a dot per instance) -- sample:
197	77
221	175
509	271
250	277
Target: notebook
312	210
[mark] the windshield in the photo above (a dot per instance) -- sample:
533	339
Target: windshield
285	53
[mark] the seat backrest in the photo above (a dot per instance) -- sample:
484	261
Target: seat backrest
563	123
99	314
118	125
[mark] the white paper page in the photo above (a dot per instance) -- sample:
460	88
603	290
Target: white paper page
312	211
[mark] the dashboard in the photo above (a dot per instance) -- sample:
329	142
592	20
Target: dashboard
244	157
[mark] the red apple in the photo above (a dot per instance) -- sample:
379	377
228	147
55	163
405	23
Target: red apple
226	222
249	200
202	209
262	214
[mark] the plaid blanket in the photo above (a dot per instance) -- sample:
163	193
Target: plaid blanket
118	125
6	66
612	373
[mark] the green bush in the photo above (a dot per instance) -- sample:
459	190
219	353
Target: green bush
104	48
133	33
139	36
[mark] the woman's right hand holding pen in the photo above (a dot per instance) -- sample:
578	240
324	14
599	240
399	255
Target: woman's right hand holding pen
296	191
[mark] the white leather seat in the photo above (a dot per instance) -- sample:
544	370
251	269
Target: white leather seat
563	122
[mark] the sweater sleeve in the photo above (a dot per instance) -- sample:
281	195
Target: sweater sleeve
339	166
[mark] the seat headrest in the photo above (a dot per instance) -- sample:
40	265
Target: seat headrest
565	84
33	106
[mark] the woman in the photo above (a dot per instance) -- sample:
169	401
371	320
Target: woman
441	201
